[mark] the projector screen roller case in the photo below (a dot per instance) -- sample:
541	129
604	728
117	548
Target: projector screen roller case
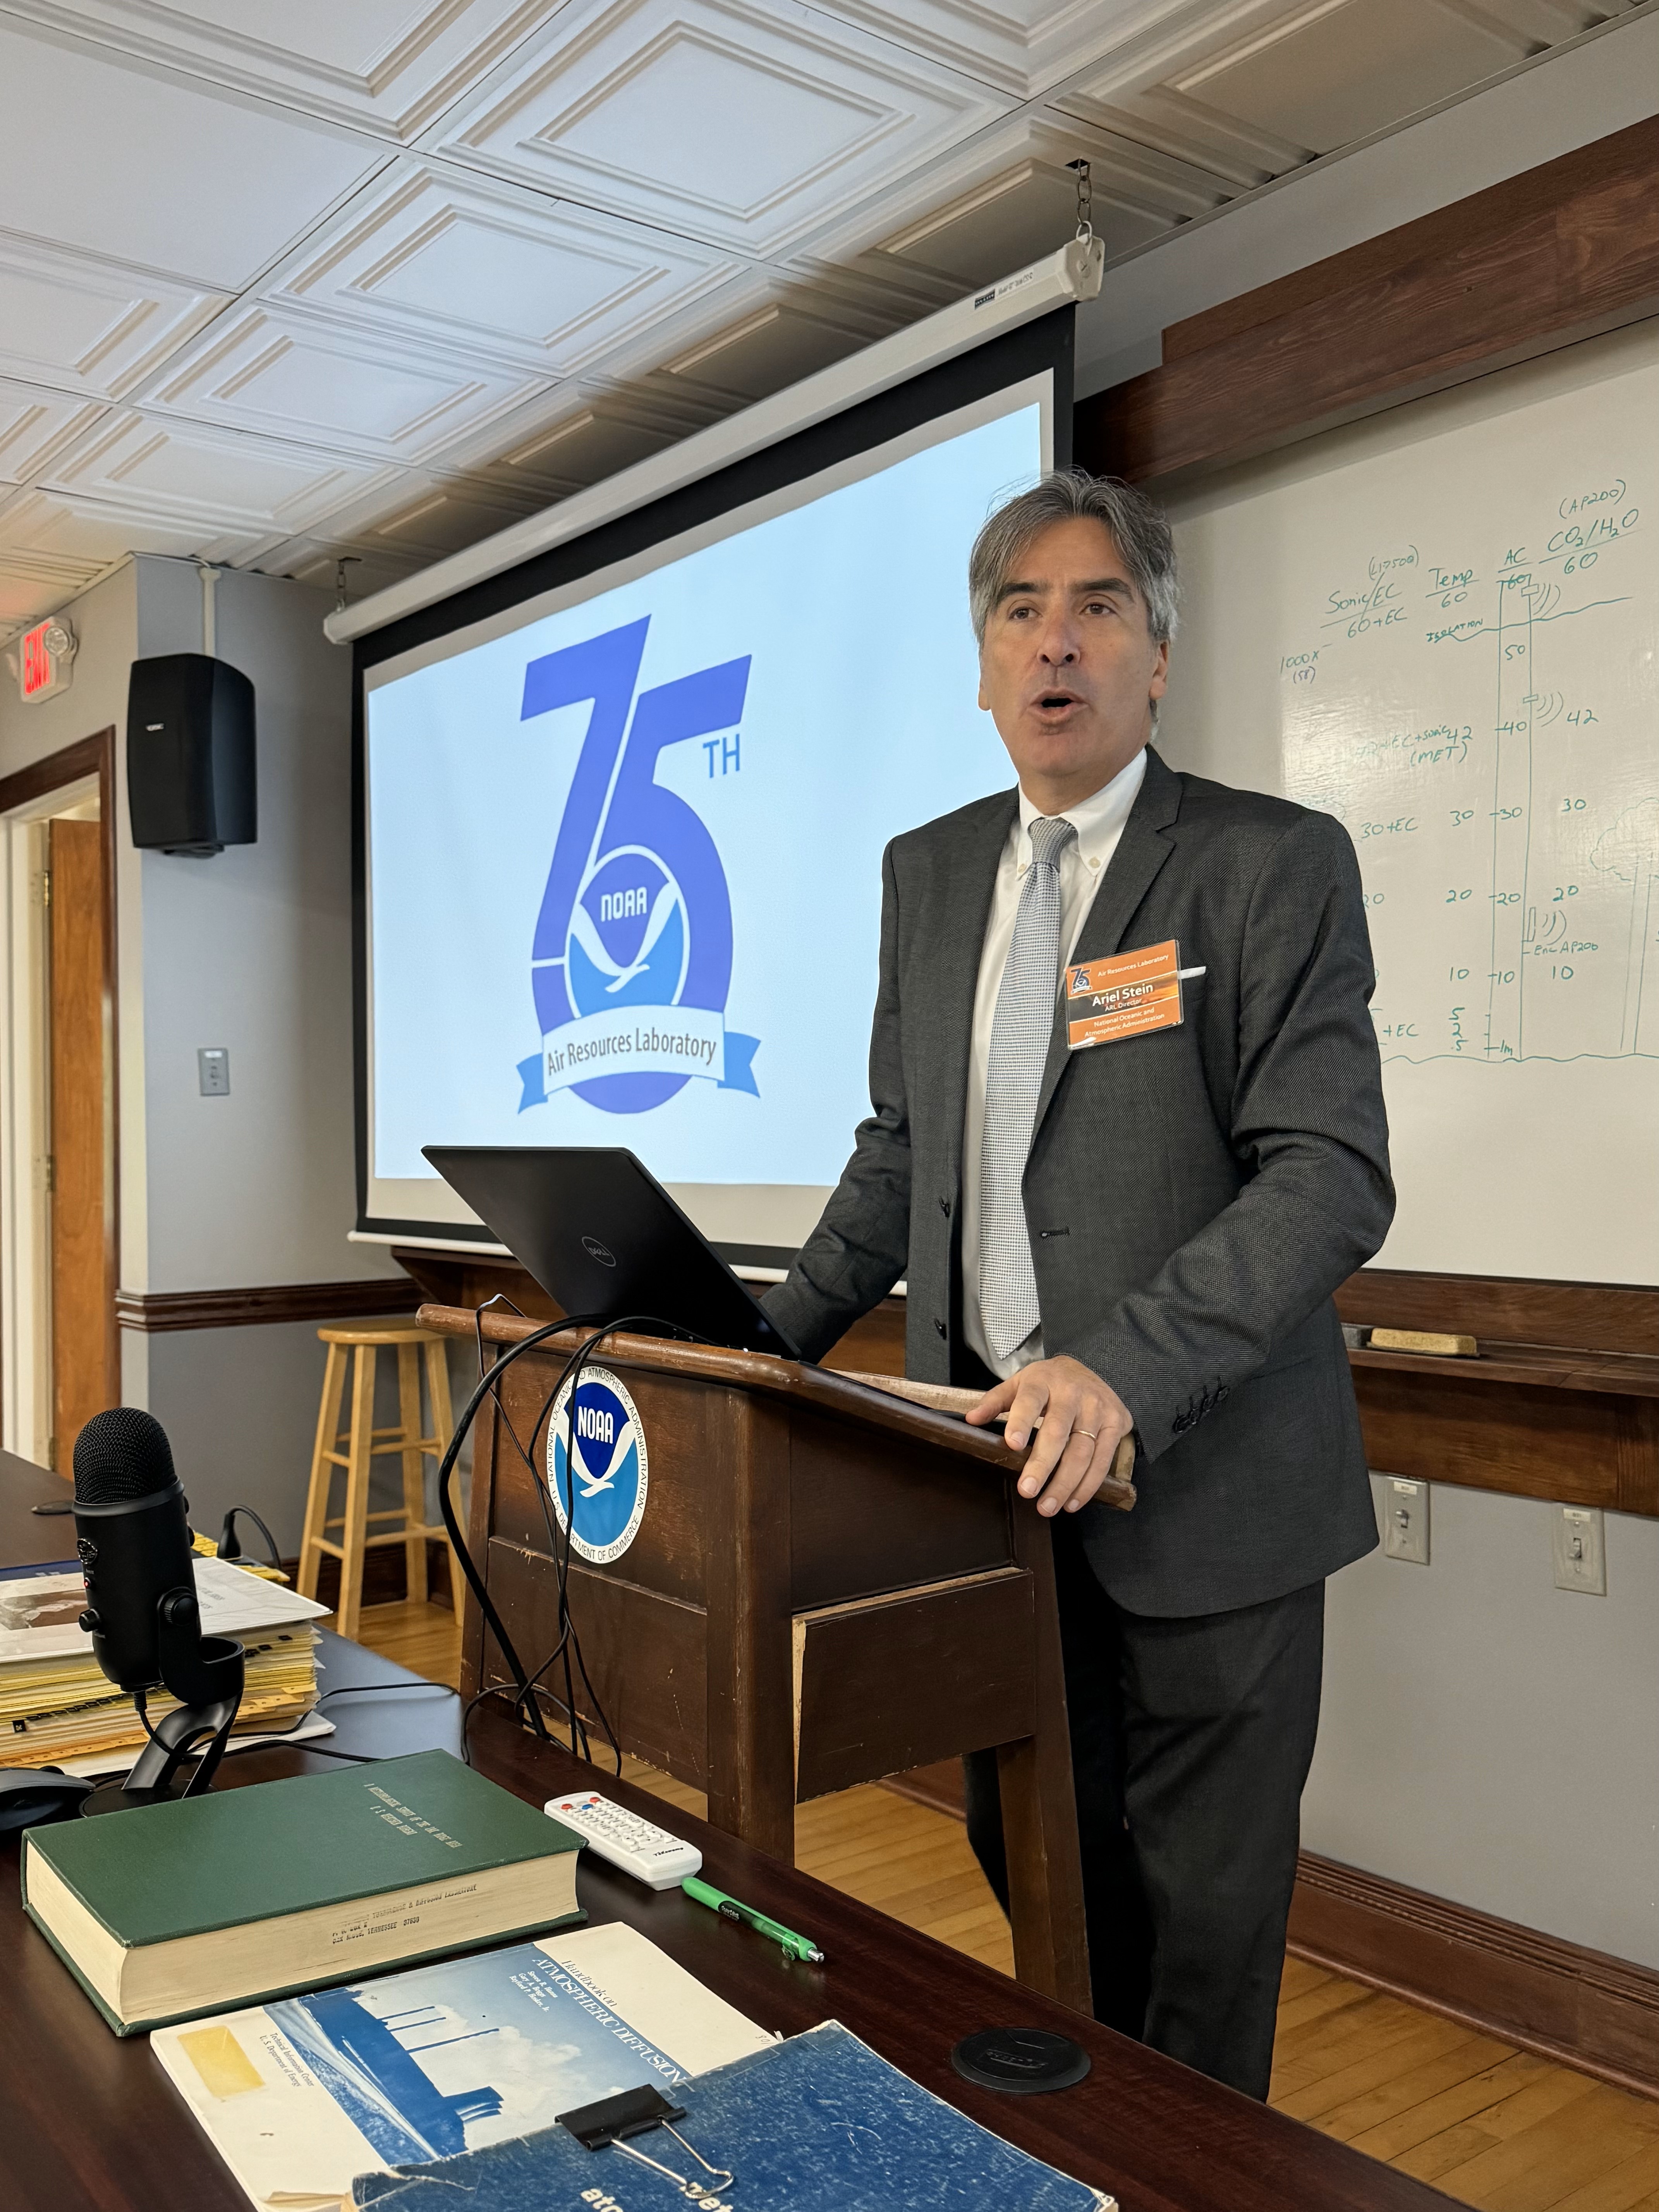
624	841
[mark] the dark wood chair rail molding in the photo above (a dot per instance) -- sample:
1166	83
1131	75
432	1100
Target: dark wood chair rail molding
760	1373
1598	2014
1560	254
876	1344
151	1311
1519	1312
1562	1403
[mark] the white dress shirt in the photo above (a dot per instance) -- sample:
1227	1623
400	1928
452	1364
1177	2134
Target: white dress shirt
1099	822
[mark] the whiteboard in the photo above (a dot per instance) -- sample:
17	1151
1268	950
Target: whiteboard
1441	628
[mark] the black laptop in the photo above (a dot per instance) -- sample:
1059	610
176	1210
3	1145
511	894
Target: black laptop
601	1235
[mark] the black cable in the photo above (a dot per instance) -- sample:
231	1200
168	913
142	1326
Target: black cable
351	1690
228	1547
570	1641
529	1689
138	1697
568	1647
366	1689
539	1485
326	1751
486	1382
560	1553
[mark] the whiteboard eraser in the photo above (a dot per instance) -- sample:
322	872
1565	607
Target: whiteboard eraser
1438	1344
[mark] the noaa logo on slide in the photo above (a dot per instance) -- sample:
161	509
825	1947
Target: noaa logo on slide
631	960
597	1468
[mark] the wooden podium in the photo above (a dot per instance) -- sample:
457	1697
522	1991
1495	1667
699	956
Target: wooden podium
829	1584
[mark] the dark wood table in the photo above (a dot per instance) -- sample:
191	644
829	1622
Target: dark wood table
88	2123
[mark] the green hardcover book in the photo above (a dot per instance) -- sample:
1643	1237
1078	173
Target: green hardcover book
165	1911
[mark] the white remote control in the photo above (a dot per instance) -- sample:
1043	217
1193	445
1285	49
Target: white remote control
650	1853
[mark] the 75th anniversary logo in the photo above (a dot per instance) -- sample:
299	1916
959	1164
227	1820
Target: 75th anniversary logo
631	961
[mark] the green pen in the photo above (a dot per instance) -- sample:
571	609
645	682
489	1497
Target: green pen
732	1908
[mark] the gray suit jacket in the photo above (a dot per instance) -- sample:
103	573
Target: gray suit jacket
1194	1195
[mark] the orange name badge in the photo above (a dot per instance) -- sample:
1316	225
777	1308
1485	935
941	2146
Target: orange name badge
1124	996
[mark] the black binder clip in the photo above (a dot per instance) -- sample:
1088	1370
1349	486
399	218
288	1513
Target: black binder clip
611	2120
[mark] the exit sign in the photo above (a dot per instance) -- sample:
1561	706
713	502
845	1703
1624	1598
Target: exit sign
43	660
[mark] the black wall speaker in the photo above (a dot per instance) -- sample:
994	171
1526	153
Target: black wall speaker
190	785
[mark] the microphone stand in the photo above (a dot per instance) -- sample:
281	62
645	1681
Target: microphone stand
206	1675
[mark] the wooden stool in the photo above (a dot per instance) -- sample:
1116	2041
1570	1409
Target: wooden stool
363	1443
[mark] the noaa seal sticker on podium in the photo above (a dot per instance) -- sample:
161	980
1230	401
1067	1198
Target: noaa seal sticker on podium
597	1468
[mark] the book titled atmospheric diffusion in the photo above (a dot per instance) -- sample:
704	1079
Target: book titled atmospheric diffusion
303	2095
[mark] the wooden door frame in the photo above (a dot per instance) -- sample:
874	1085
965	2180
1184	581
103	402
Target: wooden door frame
90	759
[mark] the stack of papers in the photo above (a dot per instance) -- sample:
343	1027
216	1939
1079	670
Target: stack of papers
56	1705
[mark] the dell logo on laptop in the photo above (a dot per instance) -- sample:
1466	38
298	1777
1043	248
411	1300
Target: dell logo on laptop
601	1252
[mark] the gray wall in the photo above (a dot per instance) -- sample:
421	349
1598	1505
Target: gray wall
250	949
253	950
1492	1739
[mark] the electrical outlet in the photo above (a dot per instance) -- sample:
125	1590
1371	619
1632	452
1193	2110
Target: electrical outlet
1406	1519
213	1070
1579	1544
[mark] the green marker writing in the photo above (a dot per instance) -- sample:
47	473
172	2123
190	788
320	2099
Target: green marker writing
732	1908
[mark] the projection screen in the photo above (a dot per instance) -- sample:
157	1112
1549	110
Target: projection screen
621	812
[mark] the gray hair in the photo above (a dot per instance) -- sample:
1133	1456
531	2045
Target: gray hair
1140	531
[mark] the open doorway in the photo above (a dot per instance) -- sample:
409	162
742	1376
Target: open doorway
59	1352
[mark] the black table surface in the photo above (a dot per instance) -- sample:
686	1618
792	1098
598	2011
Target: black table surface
89	2120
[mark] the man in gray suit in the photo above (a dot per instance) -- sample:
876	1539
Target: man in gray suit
1142	1236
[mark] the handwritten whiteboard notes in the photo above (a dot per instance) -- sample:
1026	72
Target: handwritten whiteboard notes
1464	634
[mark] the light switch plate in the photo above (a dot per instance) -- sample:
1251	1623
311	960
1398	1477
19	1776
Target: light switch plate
1406	1519
1579	1541
213	1070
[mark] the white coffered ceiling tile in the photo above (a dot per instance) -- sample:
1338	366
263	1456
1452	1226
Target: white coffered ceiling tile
314	561
775	344
200	477
1149	61
547	286
86	325
120	159
1332	74
1009	197
92	535
573	437
32	583
767	328
33	425
389	66
279	374
1025	48
744	125
423	517
1240	156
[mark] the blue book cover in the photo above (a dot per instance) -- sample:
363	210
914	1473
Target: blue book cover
301	2093
815	2123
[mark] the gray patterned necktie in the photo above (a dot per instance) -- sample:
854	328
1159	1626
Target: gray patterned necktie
1020	1031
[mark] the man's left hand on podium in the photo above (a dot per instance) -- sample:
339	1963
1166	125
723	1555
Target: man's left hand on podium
1074	1423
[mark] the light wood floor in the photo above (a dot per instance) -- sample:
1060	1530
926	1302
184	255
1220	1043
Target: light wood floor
1492	2126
